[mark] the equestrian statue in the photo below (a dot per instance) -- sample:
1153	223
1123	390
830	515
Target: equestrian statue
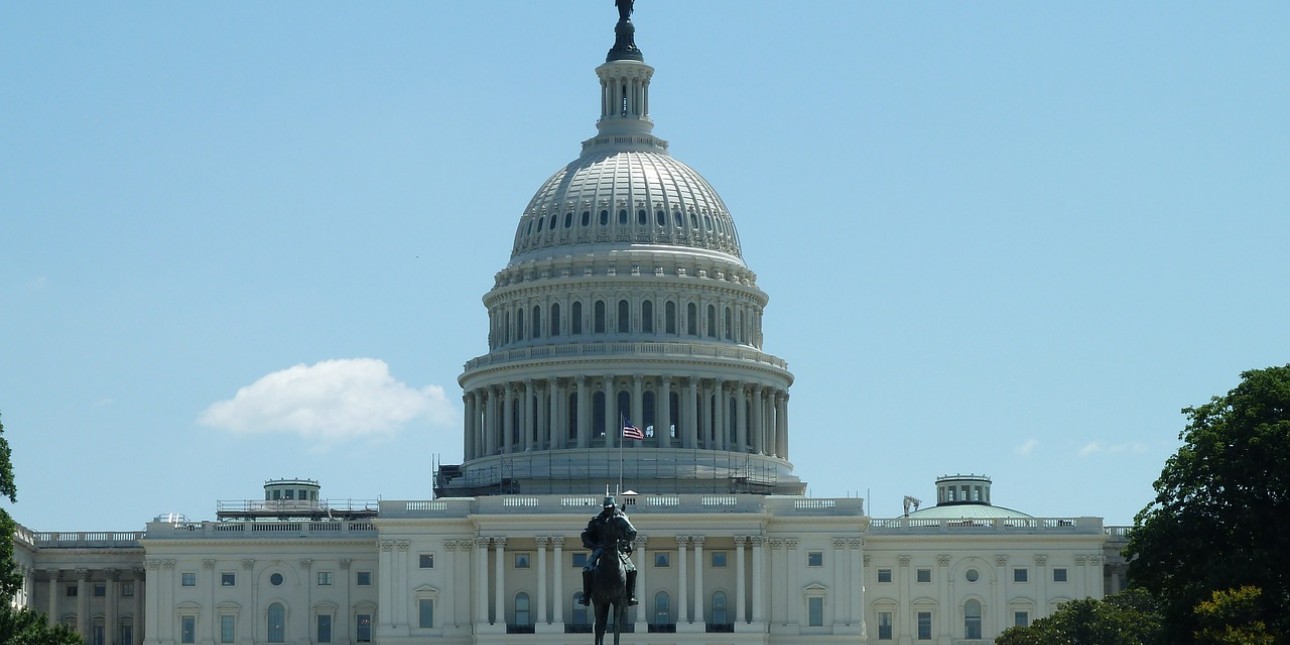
609	578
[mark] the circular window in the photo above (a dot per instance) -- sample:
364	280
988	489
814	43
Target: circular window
972	575
275	579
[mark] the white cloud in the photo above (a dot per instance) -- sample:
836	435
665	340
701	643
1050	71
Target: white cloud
329	401
1096	447
1026	449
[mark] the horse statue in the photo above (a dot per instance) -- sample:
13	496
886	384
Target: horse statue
609	586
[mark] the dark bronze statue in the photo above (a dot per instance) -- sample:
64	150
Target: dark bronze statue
624	9
609	578
624	35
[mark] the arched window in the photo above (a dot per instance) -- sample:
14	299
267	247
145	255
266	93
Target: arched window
972	619
522	615
598	324
276	623
575	321
537	322
729	326
660	218
642	217
586	218
676	217
551	225
624	317
647	317
719	613
568	219
662	609
604	218
519	324
572	431
508	327
554	329
739	324
541	221
732	421
712	321
691	319
622	216
669	317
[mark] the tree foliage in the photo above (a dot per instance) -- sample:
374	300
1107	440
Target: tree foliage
1231	617
19	625
1127	618
1218	518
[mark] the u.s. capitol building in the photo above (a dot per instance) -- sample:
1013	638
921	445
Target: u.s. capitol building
626	302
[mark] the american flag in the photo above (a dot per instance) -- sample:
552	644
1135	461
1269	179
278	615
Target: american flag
632	432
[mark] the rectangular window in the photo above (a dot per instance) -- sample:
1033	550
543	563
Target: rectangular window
425	611
71	591
363	579
884	625
363	628
718	559
228	579
662	560
924	625
324	578
923	575
324	628
580	560
521	560
1021	618
815	558
1021	575
227	629
815	611
188	579
127	588
884	575
1059	575
426	561
96	635
188	629
100	589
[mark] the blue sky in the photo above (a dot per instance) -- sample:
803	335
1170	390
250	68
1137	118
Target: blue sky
1003	238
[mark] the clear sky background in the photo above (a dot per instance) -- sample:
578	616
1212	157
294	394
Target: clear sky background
999	237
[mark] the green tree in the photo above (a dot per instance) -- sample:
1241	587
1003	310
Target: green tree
1231	617
19	626
1218	518
1127	618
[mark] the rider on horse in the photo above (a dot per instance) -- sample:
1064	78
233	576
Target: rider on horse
600	531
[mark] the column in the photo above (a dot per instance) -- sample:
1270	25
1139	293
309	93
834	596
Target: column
508	420
719	408
83	602
558	606
1001	592
611	413
112	609
793	602
584	412
771	422
481	580
692	414
499	581
781	401
51	616
947	610
777	578
556	431
448	608
700	616
741	419
151	628
664	418
758	433
858	609
385	565
638	402
526	415
1041	586
141	588
682	587
841	585
759	579
642	563
491	416
541	586
740	540
905	620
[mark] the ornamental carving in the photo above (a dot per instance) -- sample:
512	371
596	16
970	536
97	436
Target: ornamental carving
1041	560
248	564
943	560
903	560
740	541
208	563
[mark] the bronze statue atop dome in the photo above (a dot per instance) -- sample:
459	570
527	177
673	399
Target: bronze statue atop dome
624	9
624	34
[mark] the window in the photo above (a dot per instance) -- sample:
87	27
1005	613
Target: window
575	321
228	579
188	629
70	592
598	316
622	216
815	611
276	623
227	628
522	616
1021	575
1059	575
275	579
127	631
692	319
100	590
662	608
425	613
720	613
289	494
884	625
884	575
924	625
363	628
815	558
324	578
923	575
521	560
972	619
662	560
188	579
718	559
624	317
580	560
363	579
96	634
324	628
972	575
555	320
669	317
604	218
647	317
426	561
1021	618
712	321
127	588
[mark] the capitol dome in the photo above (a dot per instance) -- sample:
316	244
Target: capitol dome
625	333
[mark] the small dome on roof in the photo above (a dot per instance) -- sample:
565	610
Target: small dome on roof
964	497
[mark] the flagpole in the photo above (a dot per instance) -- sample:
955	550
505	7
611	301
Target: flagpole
622	425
